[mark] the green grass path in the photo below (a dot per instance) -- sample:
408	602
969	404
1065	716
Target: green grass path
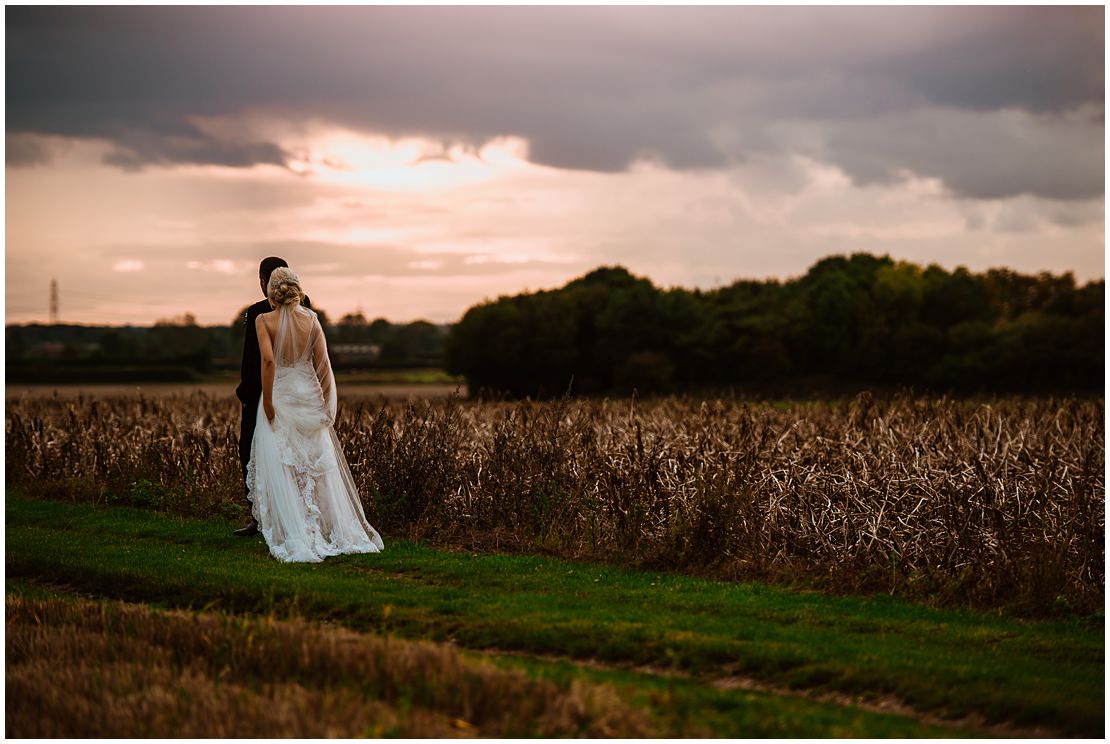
1025	674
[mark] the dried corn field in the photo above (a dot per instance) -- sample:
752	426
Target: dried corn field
991	504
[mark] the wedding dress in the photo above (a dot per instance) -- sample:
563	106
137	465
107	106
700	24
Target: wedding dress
302	492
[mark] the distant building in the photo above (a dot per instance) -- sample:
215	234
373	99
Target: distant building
351	354
49	348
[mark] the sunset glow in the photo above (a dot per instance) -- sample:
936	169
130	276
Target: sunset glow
419	205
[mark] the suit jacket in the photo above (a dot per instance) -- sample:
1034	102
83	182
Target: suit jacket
250	372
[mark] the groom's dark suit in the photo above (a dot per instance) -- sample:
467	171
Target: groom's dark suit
249	391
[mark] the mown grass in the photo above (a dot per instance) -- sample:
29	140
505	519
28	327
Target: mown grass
952	663
414	376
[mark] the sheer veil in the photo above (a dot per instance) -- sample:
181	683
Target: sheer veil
299	342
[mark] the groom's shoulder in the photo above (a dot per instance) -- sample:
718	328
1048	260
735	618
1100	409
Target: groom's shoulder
263	306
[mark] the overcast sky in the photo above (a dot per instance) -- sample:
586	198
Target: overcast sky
410	162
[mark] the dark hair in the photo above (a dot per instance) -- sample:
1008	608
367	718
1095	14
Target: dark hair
268	265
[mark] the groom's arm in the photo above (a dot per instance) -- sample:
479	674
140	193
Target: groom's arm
250	372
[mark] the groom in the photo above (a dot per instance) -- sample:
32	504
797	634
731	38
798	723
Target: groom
250	378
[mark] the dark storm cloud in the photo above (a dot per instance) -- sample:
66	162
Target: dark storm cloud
22	150
1039	59
590	88
139	148
1007	155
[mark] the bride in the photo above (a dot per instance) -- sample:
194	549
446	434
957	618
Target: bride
302	492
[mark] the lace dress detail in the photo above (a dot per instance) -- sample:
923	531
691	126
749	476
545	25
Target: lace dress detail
301	489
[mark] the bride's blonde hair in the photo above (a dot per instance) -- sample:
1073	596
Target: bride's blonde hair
284	287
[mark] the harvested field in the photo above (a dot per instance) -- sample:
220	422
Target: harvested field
96	669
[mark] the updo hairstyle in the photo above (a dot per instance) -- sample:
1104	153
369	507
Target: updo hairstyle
284	287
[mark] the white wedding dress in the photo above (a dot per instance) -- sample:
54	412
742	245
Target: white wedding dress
302	492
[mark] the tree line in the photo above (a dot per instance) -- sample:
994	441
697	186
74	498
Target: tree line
180	350
850	322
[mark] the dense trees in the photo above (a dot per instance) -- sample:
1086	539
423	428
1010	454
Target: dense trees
849	322
179	349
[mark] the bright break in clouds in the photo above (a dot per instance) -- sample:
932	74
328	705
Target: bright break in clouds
411	161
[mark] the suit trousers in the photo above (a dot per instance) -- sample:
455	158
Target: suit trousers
246	437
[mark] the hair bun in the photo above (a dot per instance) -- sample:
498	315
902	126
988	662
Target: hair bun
284	287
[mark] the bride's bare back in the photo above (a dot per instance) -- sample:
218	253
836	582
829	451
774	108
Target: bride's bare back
292	335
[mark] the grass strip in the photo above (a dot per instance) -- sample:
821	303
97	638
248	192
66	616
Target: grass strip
1027	674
